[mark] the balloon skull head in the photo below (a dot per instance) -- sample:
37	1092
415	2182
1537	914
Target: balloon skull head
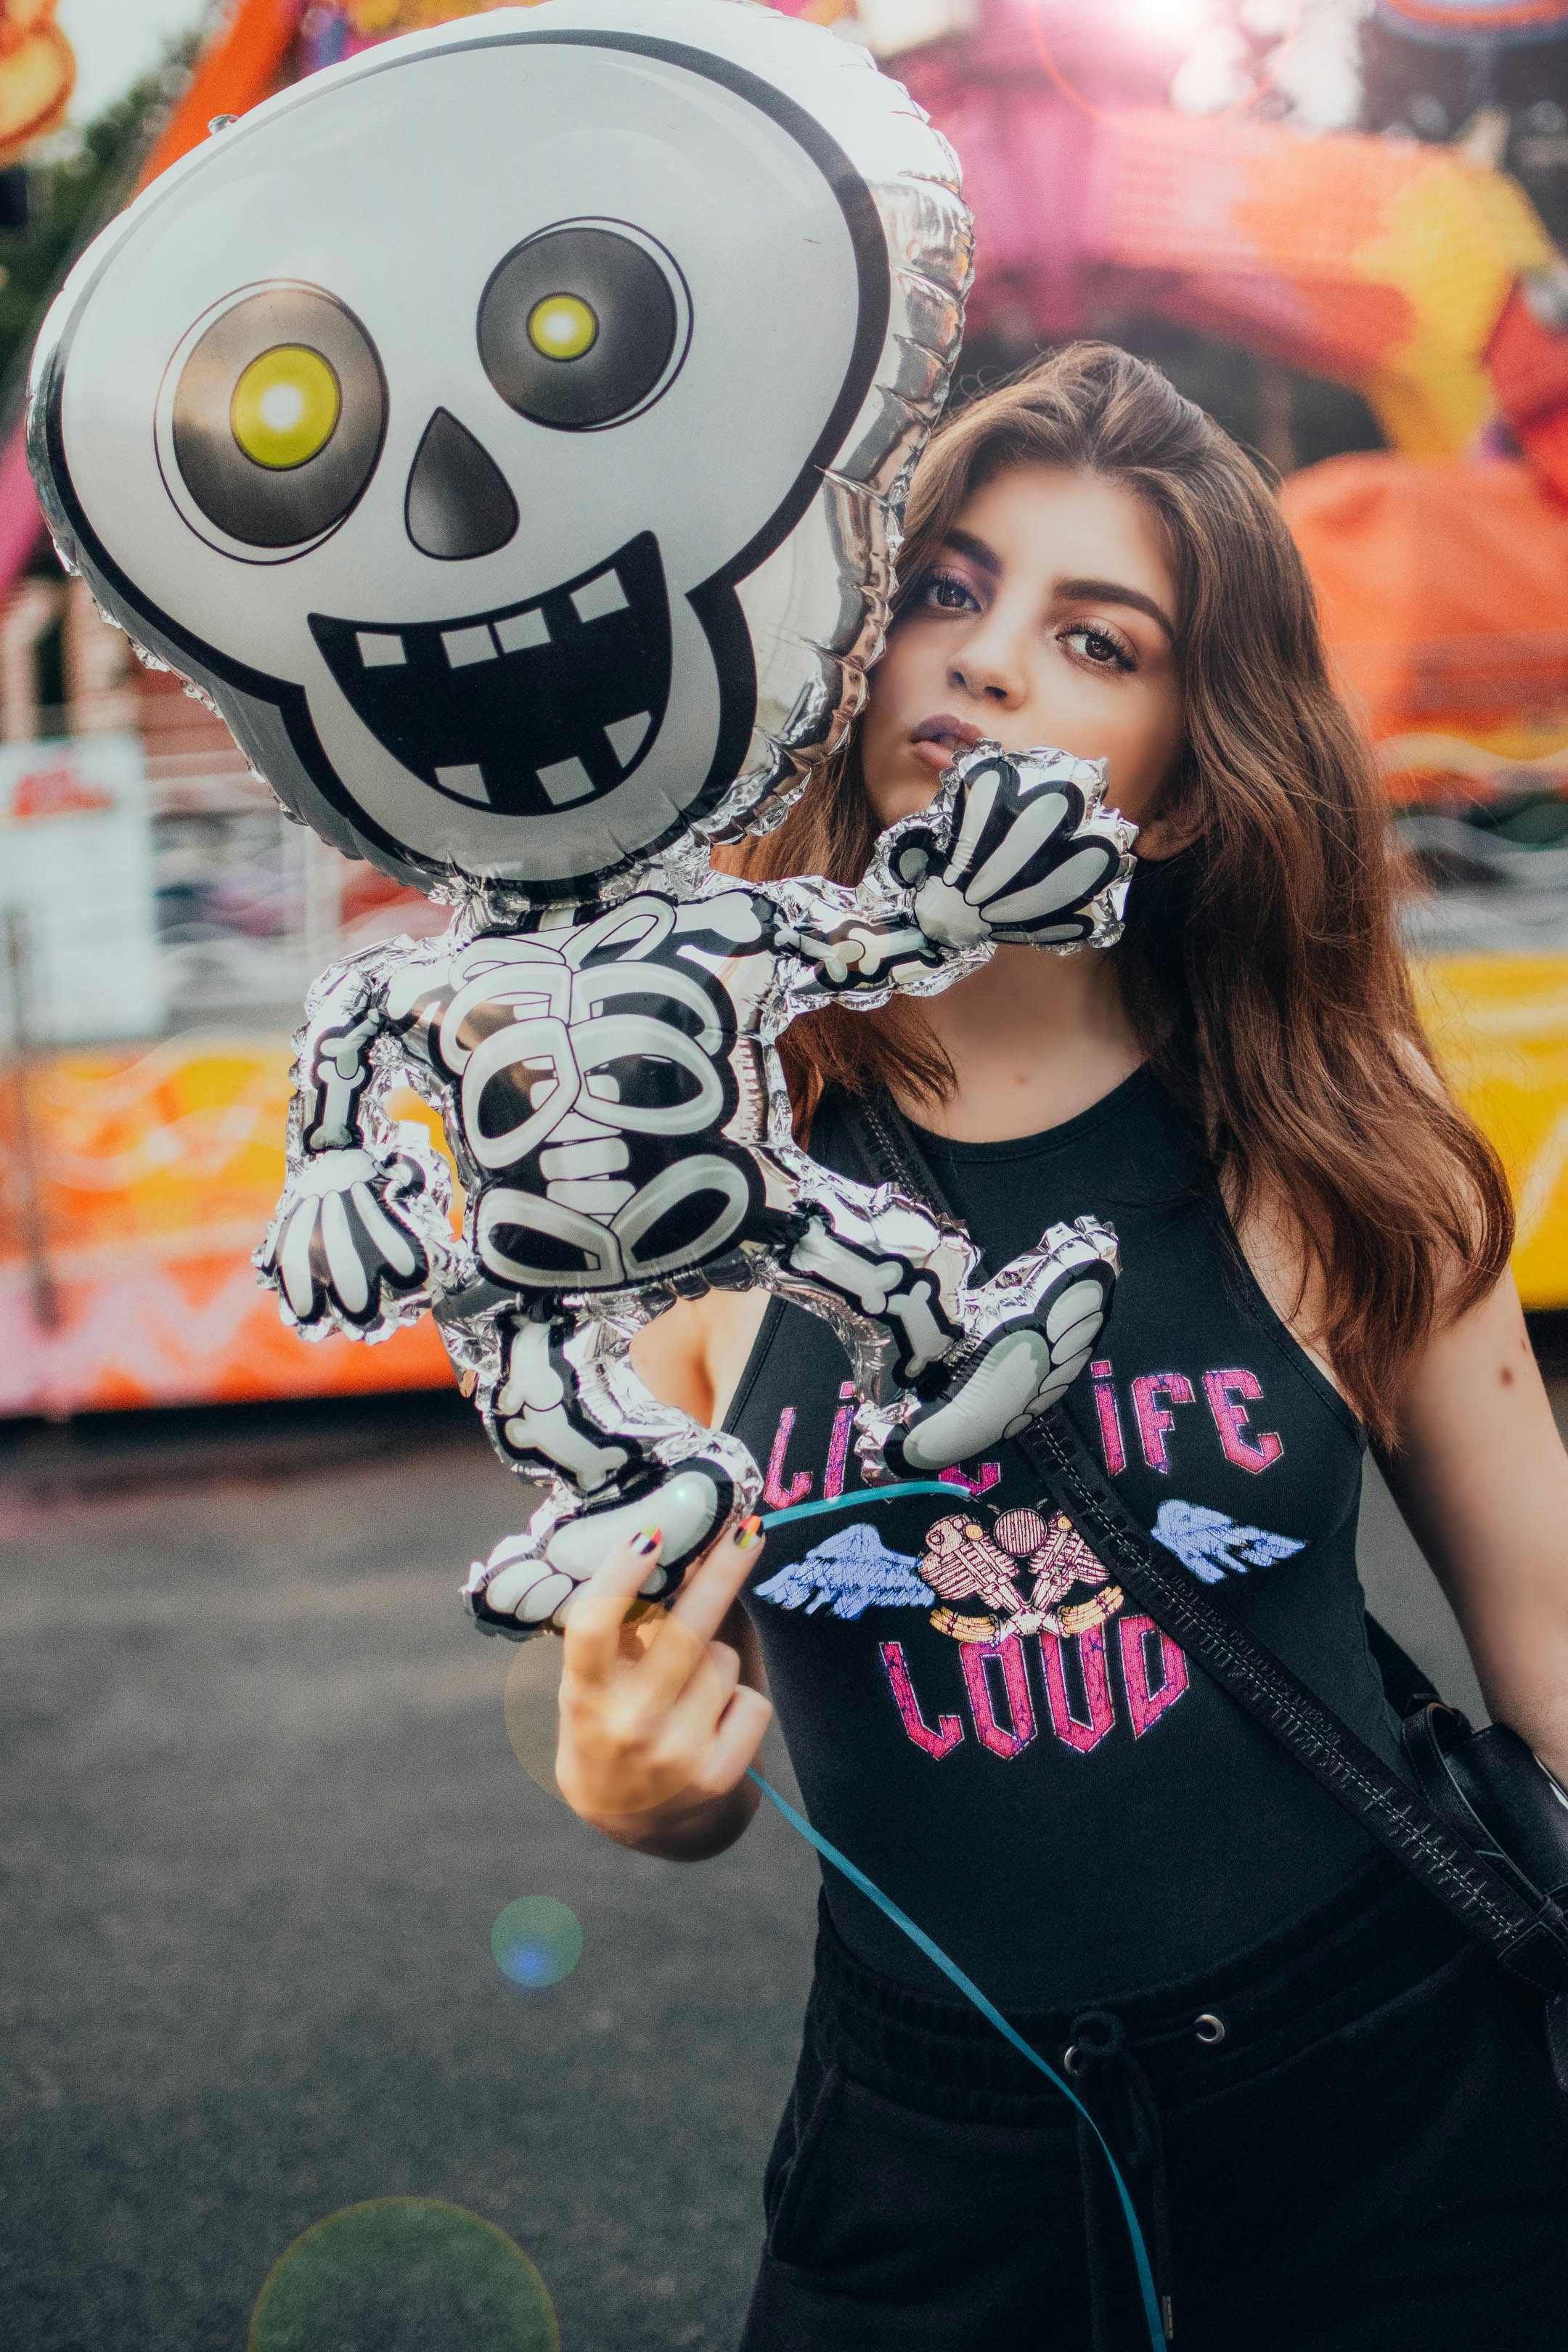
485	425
506	433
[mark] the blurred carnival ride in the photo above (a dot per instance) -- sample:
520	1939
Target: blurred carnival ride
37	74
138	1173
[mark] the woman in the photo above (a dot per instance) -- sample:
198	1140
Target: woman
1337	2115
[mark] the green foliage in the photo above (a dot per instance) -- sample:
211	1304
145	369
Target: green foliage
70	197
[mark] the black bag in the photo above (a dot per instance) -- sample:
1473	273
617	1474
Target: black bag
1485	1827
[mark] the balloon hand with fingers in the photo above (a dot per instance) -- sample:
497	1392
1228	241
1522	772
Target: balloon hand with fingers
528	578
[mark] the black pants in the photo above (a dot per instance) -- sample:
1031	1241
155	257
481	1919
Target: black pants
1351	2142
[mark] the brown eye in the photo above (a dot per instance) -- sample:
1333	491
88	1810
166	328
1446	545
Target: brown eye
944	592
279	416
1100	650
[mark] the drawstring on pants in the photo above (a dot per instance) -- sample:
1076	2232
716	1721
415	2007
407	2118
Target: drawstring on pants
1107	2070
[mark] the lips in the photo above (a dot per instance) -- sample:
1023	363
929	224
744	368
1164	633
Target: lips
944	728
938	742
527	709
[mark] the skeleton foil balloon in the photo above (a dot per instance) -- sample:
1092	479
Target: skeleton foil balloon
506	432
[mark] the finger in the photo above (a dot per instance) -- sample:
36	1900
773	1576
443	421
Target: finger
726	1662
594	1618
708	1594
687	1728
679	1743
622	1759
690	1716
665	1681
737	1743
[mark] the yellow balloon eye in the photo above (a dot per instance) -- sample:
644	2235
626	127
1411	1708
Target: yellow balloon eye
563	327
286	406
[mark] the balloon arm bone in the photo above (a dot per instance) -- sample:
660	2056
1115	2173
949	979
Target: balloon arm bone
850	955
345	1015
362	1239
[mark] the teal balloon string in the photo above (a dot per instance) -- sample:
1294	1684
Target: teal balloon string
861	1497
988	2009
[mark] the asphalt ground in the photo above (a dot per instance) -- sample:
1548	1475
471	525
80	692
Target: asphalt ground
260	1814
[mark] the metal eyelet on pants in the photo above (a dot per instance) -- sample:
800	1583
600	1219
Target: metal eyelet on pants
1209	2028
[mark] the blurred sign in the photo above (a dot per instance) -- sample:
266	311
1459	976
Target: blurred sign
76	894
130	1200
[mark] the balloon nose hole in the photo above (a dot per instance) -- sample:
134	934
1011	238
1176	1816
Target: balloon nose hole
458	502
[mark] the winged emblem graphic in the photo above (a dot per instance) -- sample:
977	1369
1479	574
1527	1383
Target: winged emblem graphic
1214	1546
1019	1571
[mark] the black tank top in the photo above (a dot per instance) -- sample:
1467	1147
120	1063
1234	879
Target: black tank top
1025	1764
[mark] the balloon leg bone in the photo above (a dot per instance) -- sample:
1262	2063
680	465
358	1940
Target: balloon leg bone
1030	1331
524	1586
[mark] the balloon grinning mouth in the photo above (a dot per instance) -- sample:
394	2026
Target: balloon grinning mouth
527	709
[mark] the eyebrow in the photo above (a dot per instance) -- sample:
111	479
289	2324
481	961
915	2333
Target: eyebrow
1109	592
966	543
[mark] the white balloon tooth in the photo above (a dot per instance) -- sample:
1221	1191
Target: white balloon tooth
565	780
627	736
600	596
380	649
469	782
521	633
464	646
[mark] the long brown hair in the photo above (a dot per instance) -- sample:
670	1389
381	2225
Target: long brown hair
1261	966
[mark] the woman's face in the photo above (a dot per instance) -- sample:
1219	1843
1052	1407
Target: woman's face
1047	617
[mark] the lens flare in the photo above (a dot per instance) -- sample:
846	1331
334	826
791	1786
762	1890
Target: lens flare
403	2273
536	1941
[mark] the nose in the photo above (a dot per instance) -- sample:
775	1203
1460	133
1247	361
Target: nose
458	502
990	664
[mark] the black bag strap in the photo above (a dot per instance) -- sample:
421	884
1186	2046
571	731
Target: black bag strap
1530	1939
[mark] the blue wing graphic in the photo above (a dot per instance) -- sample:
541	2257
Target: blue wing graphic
851	1572
1210	1544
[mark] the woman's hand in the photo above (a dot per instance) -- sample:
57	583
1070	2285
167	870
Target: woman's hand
658	1719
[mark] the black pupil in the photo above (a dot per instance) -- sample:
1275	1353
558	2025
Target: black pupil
630	297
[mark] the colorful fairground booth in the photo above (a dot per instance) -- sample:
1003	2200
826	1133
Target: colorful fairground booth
160	920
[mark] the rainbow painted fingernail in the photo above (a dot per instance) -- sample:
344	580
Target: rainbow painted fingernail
749	1533
648	1540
